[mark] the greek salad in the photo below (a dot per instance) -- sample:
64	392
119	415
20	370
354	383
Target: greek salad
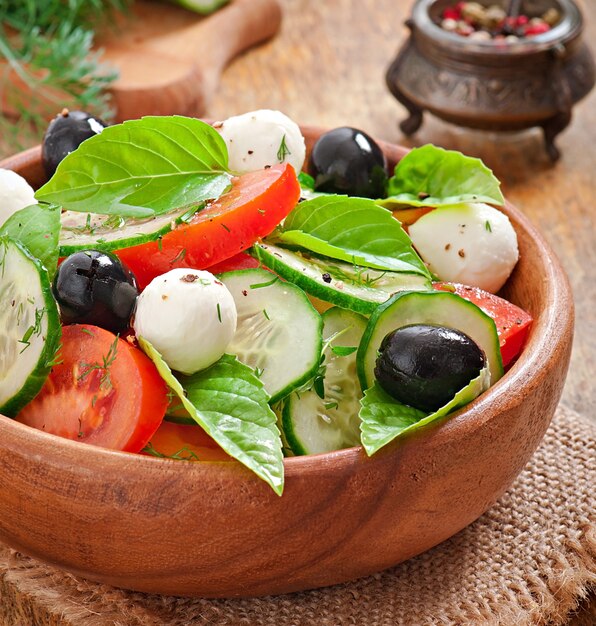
205	292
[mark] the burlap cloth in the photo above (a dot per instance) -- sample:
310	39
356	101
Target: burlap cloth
529	560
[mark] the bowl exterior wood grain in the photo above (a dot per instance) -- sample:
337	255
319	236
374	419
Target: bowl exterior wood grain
214	529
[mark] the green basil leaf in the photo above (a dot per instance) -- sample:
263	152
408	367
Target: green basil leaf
431	176
355	230
229	402
37	227
142	168
306	181
343	350
384	418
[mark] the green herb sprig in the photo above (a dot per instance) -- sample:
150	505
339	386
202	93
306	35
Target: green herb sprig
48	49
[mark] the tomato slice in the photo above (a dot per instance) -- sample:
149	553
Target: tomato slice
103	391
187	442
240	261
513	324
255	205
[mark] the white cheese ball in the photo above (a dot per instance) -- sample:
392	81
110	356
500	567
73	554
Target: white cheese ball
262	138
15	194
189	316
473	244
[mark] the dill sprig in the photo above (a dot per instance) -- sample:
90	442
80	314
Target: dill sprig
50	63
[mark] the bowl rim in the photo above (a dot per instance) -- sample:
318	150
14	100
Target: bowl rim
546	337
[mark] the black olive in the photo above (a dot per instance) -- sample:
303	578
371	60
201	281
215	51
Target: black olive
65	133
347	161
425	366
93	287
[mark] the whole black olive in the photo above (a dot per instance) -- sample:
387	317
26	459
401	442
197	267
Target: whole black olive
347	161
65	133
94	287
425	366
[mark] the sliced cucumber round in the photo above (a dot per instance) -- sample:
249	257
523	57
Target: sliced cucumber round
29	326
312	424
85	231
279	332
359	289
438	308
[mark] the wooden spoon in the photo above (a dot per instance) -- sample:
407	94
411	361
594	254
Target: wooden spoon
170	60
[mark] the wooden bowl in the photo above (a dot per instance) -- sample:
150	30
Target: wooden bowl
214	529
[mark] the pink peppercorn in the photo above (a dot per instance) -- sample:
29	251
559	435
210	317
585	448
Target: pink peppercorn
451	13
536	29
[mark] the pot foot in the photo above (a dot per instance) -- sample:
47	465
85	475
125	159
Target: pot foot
410	125
551	129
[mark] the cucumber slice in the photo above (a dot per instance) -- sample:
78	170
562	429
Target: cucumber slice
90	231
312	425
432	307
29	326
200	6
345	285
279	332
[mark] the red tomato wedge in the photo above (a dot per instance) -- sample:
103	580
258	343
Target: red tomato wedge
254	206
103	391
187	442
513	324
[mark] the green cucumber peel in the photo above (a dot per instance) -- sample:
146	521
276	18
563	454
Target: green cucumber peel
142	168
84	231
354	230
384	419
229	402
37	228
431	177
38	321
203	7
323	415
358	289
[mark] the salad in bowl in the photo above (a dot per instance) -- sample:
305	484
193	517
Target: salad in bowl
325	313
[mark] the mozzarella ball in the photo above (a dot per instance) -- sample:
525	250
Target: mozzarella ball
473	244
189	316
260	139
15	194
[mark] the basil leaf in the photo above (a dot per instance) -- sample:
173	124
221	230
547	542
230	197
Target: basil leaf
306	181
384	418
229	402
431	176
355	230
343	350
38	229
142	168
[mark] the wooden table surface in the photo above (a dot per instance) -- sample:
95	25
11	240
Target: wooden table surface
327	68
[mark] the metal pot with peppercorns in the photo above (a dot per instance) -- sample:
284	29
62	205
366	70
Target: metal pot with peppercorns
496	65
